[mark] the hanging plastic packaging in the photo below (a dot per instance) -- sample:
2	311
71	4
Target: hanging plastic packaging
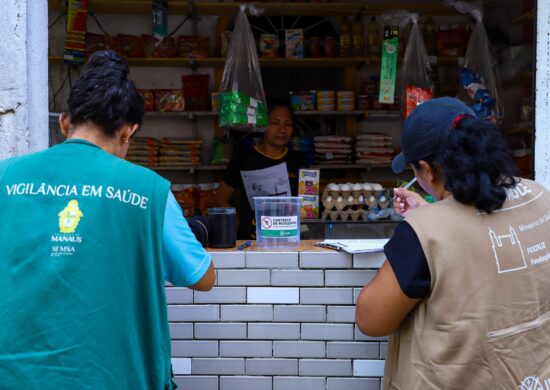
242	99
479	76
416	85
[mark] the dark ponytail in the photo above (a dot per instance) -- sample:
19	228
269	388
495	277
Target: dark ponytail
104	96
477	164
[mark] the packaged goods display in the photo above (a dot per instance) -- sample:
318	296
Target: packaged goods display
75	40
374	149
415	75
357	202
165	152
238	110
484	104
187	196
303	101
330	45
207	197
315	47
388	65
195	91
345	100
242	99
345	40
152	47
148	99
308	189
373	37
192	46
169	100
333	150
294	43
358	40
269	44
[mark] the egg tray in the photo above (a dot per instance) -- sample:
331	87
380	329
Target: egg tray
347	215
371	199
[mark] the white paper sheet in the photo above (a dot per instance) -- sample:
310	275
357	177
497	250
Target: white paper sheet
272	181
355	246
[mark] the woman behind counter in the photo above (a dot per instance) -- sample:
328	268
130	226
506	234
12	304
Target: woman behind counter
271	151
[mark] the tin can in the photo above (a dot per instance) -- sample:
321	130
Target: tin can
330	43
315	47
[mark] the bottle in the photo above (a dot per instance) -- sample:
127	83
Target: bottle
345	40
373	37
358	40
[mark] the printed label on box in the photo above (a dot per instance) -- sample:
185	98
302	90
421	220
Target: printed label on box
279	226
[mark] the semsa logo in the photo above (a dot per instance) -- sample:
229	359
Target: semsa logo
69	217
533	382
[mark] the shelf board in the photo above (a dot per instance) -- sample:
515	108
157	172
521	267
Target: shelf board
182	114
304	221
270	9
190	168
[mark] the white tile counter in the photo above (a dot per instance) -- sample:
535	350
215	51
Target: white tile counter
276	321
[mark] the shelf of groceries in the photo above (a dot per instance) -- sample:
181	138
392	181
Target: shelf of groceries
278	8
218	62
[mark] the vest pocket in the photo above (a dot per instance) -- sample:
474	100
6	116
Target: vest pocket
518	356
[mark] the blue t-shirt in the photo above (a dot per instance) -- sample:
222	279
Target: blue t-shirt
406	257
184	259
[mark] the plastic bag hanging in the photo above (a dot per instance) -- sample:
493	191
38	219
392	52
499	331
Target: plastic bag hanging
242	99
479	76
416	84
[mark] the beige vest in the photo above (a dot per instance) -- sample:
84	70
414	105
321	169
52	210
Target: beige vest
486	323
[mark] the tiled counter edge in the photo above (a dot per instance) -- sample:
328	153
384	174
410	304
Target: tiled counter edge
276	321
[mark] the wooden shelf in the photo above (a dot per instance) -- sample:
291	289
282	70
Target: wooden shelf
190	168
270	9
182	114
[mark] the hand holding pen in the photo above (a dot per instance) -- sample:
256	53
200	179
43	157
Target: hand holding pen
404	201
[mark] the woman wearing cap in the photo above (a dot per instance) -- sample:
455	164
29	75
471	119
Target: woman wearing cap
465	290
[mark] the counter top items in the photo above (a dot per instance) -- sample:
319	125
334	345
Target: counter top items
355	246
222	222
357	201
277	221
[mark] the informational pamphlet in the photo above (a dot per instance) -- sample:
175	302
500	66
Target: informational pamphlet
272	181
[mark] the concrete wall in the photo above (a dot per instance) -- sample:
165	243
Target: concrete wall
276	321
23	77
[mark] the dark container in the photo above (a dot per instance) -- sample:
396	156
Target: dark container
223	227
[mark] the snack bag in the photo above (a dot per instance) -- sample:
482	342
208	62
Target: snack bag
480	76
415	80
242	99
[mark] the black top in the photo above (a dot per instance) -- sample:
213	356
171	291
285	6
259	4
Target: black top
249	158
406	257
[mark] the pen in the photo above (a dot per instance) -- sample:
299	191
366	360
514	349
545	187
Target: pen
242	246
406	186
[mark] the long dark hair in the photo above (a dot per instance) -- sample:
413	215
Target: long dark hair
104	96
477	164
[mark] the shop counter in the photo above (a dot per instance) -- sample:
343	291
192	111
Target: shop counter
277	319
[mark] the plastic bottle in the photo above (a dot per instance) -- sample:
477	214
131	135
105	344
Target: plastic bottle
358	40
345	40
373	37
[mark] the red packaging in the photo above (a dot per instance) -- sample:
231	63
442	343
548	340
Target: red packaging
330	43
97	42
169	100
195	91
148	99
188	198
413	97
315	46
193	47
158	49
129	46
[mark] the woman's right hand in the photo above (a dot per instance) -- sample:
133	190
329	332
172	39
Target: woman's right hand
404	201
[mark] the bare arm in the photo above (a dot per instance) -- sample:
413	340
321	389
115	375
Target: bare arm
207	281
224	194
381	305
